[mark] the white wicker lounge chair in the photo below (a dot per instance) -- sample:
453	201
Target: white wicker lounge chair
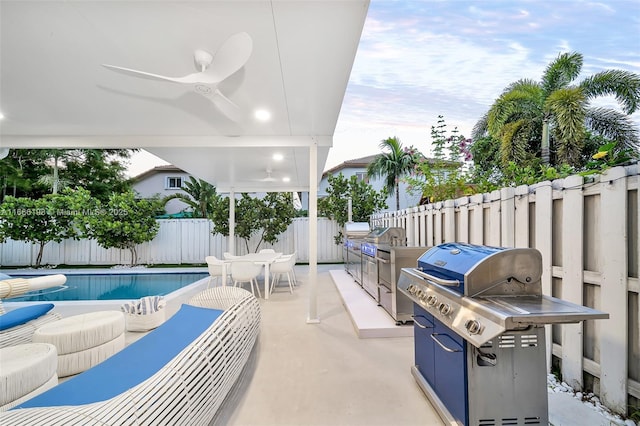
23	330
187	389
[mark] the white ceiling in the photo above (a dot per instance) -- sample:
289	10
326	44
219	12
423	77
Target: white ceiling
54	92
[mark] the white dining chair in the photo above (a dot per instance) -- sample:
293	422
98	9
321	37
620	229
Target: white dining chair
283	265
245	271
216	268
267	251
229	256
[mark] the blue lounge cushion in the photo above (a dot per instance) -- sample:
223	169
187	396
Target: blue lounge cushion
132	365
4	277
22	315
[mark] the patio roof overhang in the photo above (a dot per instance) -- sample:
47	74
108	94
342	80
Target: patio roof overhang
54	91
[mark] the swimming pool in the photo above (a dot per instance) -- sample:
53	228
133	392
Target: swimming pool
112	286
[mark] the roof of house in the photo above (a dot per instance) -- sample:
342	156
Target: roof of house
158	169
361	162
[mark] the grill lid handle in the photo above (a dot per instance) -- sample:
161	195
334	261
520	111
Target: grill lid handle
435	280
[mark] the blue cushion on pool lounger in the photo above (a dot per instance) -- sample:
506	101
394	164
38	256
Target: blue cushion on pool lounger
132	365
4	276
23	315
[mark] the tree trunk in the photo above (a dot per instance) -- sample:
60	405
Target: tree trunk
40	251
397	196
55	175
545	142
134	255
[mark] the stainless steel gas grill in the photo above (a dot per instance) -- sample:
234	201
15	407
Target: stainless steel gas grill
387	236
479	316
384	254
354	233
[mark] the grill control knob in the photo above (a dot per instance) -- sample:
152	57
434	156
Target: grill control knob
432	300
411	288
445	308
473	326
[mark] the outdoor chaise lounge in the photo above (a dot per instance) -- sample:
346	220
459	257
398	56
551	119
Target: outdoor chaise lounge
17	326
179	373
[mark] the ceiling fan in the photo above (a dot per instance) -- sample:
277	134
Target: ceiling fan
269	178
212	70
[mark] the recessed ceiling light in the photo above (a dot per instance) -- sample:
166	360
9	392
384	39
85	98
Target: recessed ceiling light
278	157
262	115
286	179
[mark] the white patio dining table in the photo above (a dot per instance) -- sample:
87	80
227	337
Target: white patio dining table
264	259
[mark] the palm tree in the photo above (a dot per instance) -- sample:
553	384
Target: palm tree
200	196
392	165
532	117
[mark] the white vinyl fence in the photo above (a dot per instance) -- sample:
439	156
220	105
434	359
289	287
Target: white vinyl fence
587	232
179	241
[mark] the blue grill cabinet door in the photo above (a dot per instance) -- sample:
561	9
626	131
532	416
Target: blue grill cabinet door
423	344
450	371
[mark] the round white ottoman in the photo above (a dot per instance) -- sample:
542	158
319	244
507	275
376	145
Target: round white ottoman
25	371
83	340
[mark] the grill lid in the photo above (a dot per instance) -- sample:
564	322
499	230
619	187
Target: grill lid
356	229
483	270
393	236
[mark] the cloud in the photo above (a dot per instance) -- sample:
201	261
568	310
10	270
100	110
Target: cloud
419	59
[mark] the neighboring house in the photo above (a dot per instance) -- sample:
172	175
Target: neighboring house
166	180
162	181
358	167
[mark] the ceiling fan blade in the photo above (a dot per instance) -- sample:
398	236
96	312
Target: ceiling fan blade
232	56
224	104
194	78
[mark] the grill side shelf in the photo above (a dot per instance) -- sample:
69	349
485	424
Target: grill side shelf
479	319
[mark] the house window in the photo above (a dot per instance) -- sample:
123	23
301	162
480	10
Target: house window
361	176
173	183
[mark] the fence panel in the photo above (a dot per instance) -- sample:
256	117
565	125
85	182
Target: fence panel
164	249
16	253
588	235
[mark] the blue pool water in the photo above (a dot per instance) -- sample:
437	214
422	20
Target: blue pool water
113	286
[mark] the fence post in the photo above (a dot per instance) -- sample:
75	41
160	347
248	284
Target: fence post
449	231
412	232
544	243
477	219
521	217
422	228
429	228
507	217
614	288
572	277
493	234
463	220
438	234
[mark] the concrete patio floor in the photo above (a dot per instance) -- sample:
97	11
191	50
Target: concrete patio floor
325	374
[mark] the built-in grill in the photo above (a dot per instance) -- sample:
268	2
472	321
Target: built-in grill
384	254
479	316
377	238
354	234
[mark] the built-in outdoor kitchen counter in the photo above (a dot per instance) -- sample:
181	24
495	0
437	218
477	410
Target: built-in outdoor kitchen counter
384	252
354	233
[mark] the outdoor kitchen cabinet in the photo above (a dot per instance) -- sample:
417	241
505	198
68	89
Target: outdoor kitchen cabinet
441	364
481	356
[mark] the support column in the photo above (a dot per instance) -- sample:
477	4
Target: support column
312	317
231	243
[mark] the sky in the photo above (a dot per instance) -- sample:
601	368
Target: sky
421	59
